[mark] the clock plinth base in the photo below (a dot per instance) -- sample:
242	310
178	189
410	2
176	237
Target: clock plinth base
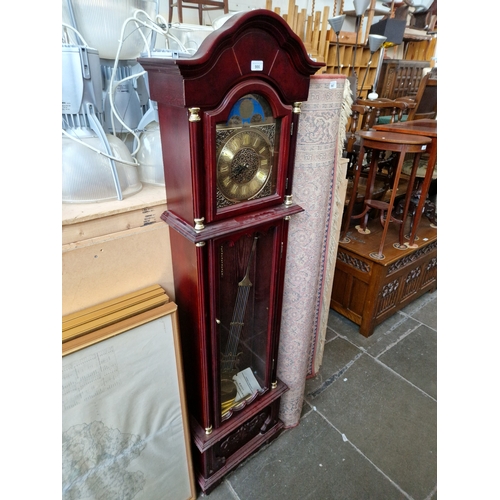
209	484
217	454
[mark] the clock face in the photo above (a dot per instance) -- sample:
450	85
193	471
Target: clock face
244	164
246	152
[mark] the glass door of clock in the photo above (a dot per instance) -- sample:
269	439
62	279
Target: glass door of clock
246	273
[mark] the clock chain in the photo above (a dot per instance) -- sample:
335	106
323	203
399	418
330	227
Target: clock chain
237	324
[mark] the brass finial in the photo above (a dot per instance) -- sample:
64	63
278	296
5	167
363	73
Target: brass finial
198	224
194	114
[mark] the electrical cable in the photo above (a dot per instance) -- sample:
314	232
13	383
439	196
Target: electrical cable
84	43
131	77
150	24
69	136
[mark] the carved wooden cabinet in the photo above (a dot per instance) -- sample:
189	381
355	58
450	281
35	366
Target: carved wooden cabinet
228	123
368	291
400	78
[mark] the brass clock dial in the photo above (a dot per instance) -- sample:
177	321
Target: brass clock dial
244	164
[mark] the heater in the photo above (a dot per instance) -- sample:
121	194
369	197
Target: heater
101	22
104	96
115	29
96	166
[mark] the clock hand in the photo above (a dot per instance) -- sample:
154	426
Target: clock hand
238	170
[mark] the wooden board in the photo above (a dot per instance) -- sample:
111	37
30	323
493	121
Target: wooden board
82	221
104	268
114	248
112	312
110	306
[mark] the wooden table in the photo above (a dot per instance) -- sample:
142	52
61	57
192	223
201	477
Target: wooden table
384	141
426	128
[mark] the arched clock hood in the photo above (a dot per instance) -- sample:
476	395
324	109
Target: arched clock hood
204	80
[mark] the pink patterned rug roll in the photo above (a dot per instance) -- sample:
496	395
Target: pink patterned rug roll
313	237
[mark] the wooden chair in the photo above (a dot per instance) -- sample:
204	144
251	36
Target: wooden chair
364	115
426	99
429	209
425	107
367	113
201	5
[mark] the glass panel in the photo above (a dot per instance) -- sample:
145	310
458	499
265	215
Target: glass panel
244	317
245	152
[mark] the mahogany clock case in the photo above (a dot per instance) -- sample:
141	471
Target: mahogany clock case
228	123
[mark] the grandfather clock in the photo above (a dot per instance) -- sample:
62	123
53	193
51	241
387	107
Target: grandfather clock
228	123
